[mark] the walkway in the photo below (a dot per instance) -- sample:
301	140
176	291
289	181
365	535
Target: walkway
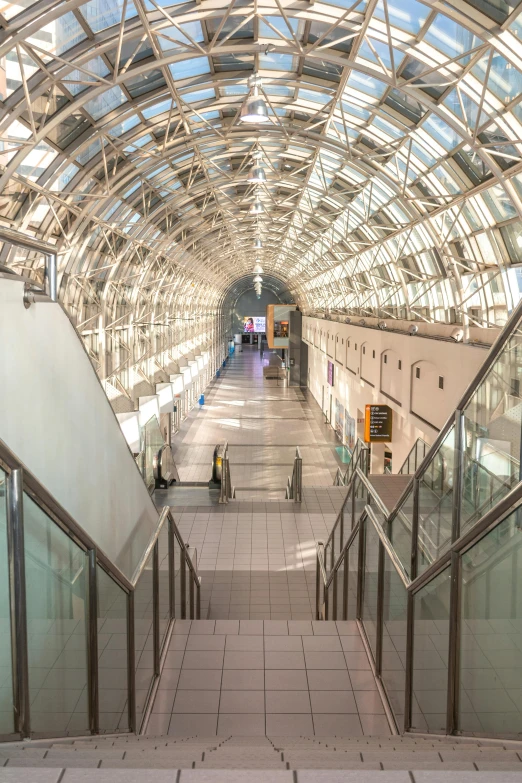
256	556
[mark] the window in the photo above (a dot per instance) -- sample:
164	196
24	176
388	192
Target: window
515	387
364	350
373	354
400	365
441	382
385	359
417	372
355	346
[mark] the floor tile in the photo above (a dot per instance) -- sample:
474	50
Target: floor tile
333	702
240	726
196	701
286	725
193	725
290	701
243	679
242	701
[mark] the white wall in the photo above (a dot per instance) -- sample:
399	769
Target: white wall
367	370
55	417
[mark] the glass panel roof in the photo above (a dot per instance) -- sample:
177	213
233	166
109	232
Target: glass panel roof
391	156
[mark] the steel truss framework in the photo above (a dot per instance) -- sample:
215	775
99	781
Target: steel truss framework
393	161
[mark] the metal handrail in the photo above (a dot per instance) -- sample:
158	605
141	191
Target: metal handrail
326	584
414	450
20	482
482	373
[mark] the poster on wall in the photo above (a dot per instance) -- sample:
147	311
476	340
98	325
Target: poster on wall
254	324
349	431
330	376
339	419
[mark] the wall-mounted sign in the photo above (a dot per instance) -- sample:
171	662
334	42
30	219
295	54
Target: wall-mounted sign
377	424
331	373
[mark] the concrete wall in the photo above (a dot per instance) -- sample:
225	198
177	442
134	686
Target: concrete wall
381	367
55	417
249	304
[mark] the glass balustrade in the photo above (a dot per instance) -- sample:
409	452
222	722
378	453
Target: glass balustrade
6	671
144	637
112	654
56	597
370	583
395	611
430	655
490	667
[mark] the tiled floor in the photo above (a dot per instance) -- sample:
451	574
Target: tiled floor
254	677
256	556
263	421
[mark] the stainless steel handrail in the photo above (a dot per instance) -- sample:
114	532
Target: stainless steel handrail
21	481
326	583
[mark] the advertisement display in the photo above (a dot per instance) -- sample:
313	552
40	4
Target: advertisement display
349	431
339	419
254	324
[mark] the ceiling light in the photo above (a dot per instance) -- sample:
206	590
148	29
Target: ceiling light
258	279
257	175
256	207
258	269
258	244
254	108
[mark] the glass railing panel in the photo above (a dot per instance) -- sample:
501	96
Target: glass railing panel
492	428
370	578
143	637
436	503
490	676
6	672
399	531
178	579
112	654
430	655
395	603
353	570
163	576
56	595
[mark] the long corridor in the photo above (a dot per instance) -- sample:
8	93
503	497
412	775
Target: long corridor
257	554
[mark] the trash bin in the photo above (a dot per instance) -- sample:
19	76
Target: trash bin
202	399
218	373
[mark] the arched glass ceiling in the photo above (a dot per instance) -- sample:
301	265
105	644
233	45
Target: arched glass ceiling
392	156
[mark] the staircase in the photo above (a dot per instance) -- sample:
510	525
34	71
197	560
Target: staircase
305	759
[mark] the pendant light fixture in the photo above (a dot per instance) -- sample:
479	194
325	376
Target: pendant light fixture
257	244
257	174
258	269
257	207
258	279
254	108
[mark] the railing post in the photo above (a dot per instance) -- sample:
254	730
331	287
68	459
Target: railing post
183	584
92	643
191	593
380	609
454	645
131	663
155	609
172	569
317	585
18	605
